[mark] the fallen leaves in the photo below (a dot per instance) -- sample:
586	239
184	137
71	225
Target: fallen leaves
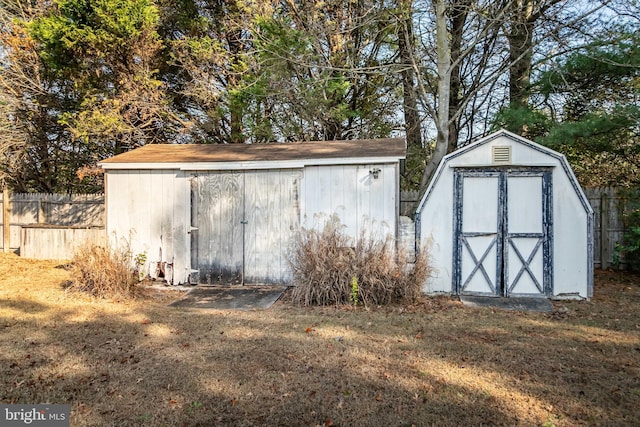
323	366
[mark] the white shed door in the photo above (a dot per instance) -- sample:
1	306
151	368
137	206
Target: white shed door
242	223
503	232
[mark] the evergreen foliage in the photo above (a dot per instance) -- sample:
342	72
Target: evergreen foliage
82	80
628	250
588	107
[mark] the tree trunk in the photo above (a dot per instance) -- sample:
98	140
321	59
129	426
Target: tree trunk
236	106
332	130
459	13
409	93
444	93
520	39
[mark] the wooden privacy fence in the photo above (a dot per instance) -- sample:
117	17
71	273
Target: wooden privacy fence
50	225
608	225
409	203
81	217
44	241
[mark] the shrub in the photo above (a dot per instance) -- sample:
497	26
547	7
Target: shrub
104	271
329	267
629	249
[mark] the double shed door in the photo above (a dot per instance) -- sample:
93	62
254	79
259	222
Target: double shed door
503	232
241	225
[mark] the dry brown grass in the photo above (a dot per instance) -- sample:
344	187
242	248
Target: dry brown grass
104	271
330	268
436	362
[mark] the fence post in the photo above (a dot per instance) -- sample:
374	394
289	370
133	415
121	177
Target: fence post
604	231
6	223
40	215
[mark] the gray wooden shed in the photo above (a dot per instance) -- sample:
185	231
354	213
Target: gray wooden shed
507	217
226	213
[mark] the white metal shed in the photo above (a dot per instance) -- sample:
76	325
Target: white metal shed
226	213
507	217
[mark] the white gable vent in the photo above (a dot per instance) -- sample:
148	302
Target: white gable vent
501	154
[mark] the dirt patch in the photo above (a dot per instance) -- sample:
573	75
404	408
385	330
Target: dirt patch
514	303
436	362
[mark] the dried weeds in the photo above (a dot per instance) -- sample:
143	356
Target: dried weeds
331	268
104	271
434	362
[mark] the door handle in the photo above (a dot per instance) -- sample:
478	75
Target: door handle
244	221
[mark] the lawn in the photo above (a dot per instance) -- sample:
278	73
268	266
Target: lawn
143	363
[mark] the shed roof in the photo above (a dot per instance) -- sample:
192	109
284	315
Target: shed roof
394	148
502	133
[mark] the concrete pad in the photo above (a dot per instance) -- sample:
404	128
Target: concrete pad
231	297
515	303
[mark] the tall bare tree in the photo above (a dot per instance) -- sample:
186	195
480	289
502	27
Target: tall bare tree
443	48
486	52
406	53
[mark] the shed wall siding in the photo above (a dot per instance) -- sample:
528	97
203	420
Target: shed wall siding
150	210
436	227
520	155
147	210
353	194
570	252
570	244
